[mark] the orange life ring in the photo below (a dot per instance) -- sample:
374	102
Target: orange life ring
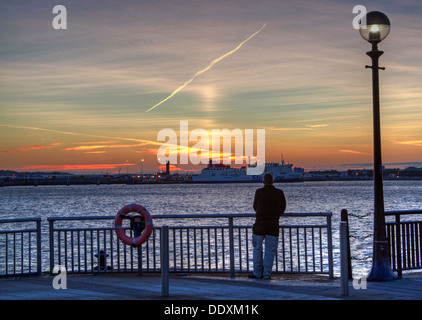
119	229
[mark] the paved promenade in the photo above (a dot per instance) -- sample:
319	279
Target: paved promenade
148	287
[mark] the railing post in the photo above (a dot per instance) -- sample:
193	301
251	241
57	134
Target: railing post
231	244
39	269
51	243
345	218
344	265
398	244
139	254
330	247
164	248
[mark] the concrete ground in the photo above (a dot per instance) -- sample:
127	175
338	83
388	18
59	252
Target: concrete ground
148	287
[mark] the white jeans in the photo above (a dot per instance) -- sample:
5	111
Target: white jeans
263	267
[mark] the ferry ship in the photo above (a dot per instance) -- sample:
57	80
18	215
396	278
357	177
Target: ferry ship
220	173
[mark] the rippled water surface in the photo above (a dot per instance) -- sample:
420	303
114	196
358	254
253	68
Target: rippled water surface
93	200
356	196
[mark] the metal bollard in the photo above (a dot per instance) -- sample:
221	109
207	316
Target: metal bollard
345	218
102	261
164	248
344	257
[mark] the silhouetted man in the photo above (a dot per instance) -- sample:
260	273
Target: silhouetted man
268	204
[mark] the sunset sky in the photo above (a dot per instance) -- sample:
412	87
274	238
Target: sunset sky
77	99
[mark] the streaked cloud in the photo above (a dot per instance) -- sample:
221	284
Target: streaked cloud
29	148
317	125
144	142
417	143
114	146
308	127
356	152
289	129
73	167
174	168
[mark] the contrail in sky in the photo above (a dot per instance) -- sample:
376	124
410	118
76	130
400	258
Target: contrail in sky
207	68
147	142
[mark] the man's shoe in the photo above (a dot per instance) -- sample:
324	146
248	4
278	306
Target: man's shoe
267	278
252	276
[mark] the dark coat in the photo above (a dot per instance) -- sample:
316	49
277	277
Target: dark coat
268	204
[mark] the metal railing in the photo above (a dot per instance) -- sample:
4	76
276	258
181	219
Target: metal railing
405	239
212	243
20	247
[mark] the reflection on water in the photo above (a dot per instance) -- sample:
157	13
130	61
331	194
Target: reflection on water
356	196
106	200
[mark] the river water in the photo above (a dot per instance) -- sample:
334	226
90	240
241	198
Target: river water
106	200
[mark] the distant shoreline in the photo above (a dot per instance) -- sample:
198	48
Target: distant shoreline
60	182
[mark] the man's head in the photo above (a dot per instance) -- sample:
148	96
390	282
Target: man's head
268	179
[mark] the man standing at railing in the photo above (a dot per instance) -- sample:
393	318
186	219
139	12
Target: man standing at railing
268	204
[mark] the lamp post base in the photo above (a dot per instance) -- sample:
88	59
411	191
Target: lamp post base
381	268
381	272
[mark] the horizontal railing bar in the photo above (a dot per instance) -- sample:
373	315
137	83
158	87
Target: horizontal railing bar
87	229
184	270
79	218
293	226
18	231
13	274
394	213
194	216
301	226
20	220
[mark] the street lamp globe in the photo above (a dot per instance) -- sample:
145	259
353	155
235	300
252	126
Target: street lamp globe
376	28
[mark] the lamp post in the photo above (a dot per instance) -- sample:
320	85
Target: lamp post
374	31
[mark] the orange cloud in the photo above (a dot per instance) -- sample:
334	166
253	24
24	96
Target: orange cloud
289	129
10	152
69	167
96	142
317	125
412	142
173	168
146	142
93	147
83	148
37	147
308	127
148	150
356	152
